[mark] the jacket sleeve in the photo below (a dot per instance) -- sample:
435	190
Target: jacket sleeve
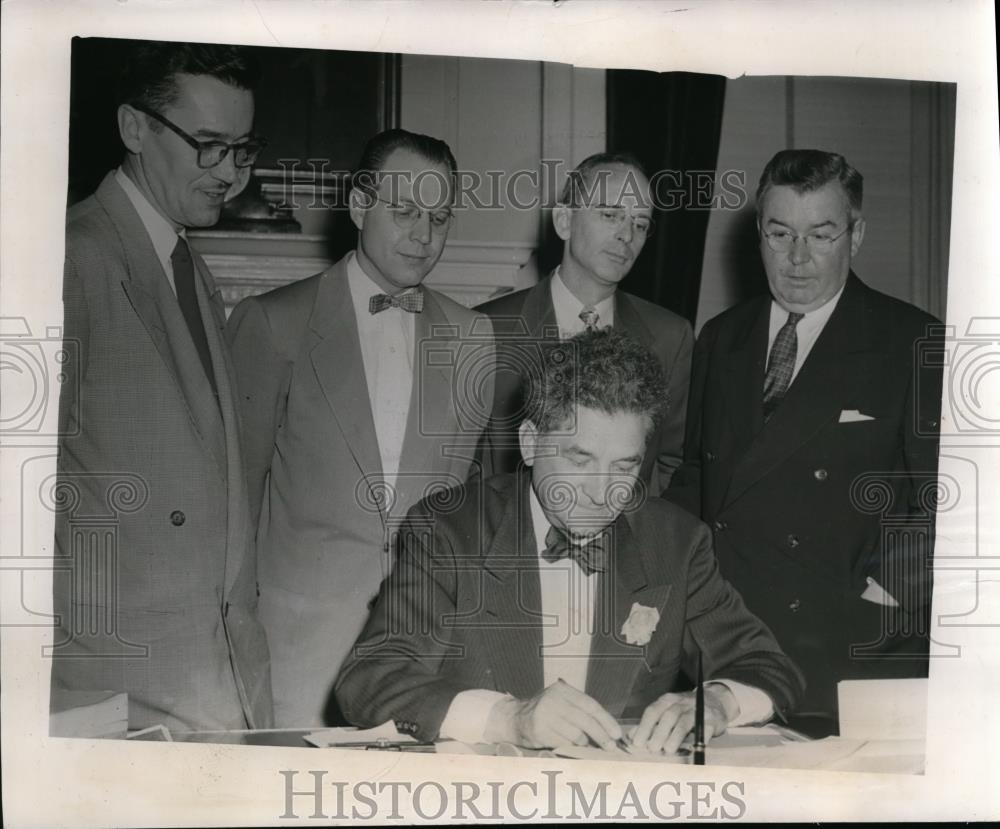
76	337
905	569
395	670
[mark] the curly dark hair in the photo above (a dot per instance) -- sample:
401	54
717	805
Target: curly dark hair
604	370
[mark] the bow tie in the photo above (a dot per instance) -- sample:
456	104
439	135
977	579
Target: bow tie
412	301
591	556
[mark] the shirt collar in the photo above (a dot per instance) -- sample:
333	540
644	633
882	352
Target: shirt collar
366	286
161	232
816	317
563	297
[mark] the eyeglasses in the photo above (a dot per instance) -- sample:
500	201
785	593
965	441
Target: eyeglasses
782	241
211	153
407	215
616	217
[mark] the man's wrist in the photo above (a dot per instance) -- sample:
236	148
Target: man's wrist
501	724
725	699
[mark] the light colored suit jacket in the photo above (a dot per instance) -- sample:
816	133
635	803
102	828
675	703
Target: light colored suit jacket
327	518
155	589
463	610
526	318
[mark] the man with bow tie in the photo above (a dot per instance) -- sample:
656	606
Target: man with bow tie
540	607
811	444
353	411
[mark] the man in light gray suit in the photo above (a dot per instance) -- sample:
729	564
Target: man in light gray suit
155	586
358	395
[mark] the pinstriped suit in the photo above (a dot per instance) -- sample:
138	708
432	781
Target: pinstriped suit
151	450
461	611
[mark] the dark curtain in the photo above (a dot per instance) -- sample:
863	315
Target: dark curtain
672	122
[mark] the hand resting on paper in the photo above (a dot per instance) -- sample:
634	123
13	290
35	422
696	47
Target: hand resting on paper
668	720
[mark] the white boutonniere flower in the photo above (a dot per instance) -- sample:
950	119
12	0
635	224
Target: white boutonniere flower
640	624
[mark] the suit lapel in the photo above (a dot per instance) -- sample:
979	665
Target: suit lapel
817	393
512	597
155	305
340	369
743	386
431	403
538	312
628	321
614	663
238	524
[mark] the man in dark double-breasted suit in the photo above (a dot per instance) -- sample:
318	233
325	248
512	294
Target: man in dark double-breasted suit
811	445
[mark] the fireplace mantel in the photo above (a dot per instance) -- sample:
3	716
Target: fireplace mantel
245	264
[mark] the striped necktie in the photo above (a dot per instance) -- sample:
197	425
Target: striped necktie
780	364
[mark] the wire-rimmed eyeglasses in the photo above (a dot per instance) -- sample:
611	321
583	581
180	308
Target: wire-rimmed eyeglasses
782	241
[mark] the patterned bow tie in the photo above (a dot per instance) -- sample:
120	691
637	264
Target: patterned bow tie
412	301
590	318
591	556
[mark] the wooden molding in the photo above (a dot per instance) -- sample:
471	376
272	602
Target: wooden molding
247	264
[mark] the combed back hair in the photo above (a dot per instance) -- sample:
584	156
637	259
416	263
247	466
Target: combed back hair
808	170
604	370
149	74
378	149
580	181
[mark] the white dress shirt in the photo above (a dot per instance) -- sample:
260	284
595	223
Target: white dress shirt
161	232
568	605
568	308
387	351
807	331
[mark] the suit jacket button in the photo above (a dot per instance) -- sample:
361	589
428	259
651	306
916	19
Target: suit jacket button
793	541
794	606
710	456
820	474
177	518
719	526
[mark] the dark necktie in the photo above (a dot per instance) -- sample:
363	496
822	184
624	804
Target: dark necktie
187	298
590	318
592	557
780	364
412	301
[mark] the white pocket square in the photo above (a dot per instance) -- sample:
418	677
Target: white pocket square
853	416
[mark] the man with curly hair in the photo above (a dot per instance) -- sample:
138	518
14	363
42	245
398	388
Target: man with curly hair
541	607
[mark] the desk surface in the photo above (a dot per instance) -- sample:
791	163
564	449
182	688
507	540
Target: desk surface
741	747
